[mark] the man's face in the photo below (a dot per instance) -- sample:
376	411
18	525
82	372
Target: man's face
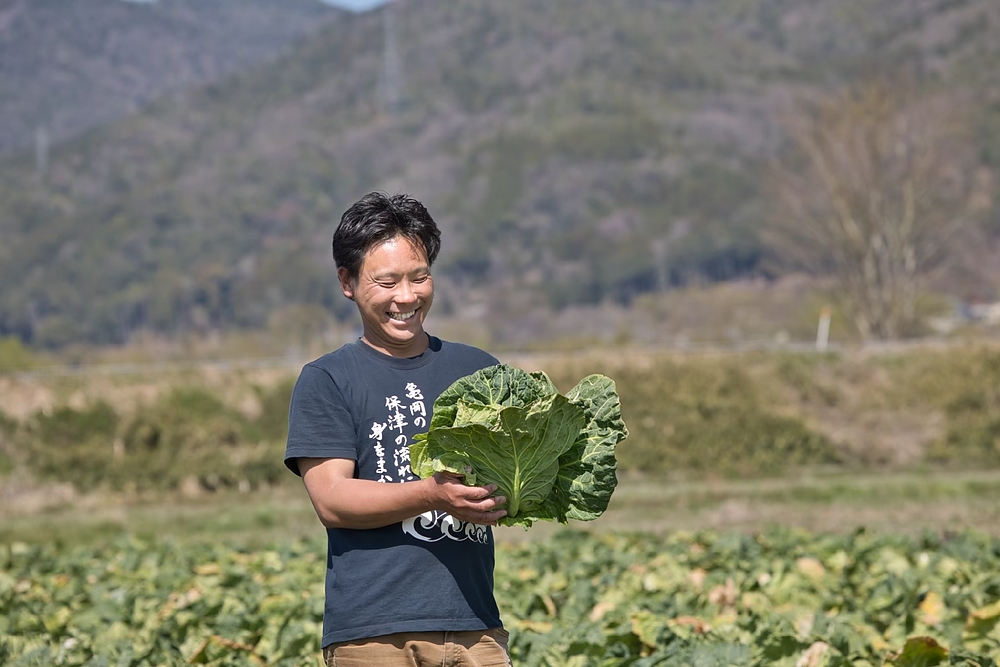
393	291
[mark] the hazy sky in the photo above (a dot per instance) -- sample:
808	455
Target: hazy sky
356	5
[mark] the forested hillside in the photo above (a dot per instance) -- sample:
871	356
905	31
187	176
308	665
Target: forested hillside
68	65
573	152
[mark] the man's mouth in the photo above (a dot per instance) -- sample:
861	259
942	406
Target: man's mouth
402	317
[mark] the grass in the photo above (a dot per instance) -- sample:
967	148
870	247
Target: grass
255	518
911	502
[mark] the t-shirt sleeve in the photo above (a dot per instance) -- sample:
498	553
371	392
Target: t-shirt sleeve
319	422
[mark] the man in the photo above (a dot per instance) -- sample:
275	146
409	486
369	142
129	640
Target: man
410	562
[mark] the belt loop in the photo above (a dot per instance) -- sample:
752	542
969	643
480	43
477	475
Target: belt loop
446	659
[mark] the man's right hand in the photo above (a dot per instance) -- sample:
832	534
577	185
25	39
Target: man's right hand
474	504
341	501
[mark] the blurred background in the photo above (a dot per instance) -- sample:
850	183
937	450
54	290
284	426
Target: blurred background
776	223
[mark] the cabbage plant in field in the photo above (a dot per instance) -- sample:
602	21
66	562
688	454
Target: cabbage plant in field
783	598
551	455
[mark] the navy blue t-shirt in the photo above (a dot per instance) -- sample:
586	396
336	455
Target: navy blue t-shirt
429	573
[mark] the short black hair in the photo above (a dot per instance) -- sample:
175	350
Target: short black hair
376	218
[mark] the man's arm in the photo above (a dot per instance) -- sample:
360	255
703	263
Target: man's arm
344	502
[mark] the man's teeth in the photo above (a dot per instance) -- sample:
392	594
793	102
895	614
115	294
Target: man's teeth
402	316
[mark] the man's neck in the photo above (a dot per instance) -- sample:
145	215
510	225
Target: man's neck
415	348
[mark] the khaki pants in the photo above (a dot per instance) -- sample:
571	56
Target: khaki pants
476	648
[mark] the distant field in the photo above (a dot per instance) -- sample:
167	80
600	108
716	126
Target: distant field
900	503
899	439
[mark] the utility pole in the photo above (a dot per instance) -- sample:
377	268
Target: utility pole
823	330
660	258
392	69
41	152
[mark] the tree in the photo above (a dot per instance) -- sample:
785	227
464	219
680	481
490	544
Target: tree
870	188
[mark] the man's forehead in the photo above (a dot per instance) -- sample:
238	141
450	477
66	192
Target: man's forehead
396	264
397	248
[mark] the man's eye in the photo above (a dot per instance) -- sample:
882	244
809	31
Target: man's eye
421	279
385	284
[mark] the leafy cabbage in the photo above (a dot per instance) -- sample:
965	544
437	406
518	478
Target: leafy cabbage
551	455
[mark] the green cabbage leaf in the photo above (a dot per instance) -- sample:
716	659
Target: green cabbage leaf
551	455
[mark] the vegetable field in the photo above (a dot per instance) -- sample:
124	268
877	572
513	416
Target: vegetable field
577	599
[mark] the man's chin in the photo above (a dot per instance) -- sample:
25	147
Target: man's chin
403	339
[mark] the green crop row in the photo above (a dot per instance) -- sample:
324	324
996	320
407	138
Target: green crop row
709	417
579	600
188	434
766	412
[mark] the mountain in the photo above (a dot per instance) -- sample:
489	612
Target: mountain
69	65
572	152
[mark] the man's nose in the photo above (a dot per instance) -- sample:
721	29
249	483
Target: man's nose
405	292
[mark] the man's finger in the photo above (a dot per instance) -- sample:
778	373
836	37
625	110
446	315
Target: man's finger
485	517
485	500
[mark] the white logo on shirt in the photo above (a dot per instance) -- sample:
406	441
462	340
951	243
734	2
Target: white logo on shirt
436	525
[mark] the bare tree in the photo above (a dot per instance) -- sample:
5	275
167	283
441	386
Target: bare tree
872	185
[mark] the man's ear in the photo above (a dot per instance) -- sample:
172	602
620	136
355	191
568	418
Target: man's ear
346	284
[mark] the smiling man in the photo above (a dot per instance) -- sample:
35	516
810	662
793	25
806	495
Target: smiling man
409	561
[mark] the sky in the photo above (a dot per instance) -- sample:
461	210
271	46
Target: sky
353	5
356	5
